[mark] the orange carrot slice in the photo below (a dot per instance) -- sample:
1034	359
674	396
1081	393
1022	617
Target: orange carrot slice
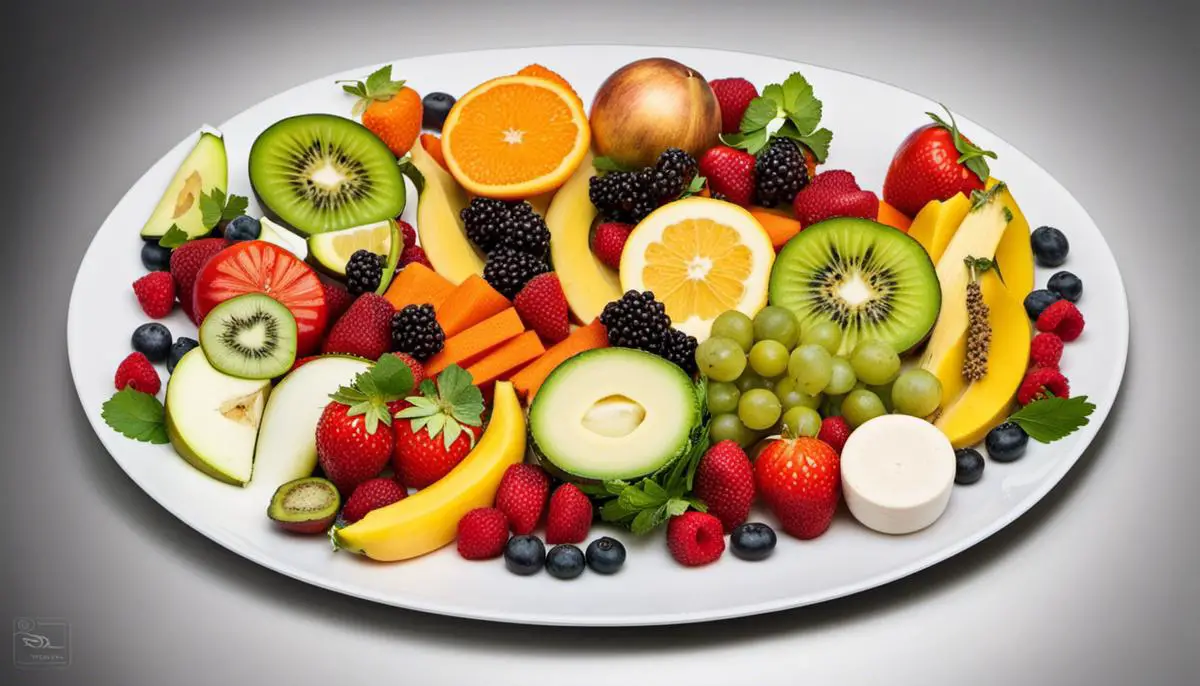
471	302
780	226
473	343
417	284
893	217
530	379
508	357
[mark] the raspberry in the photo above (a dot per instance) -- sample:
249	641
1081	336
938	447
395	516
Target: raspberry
834	432
137	373
407	232
372	495
695	538
1045	351
1042	383
482	534
156	294
1062	318
414	254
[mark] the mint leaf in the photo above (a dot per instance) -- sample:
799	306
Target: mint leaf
647	520
615	511
136	415
212	206
235	206
173	238
760	112
676	507
1050	419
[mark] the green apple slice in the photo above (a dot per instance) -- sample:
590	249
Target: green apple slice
204	170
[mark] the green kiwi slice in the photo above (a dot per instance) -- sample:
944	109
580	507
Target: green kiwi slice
251	336
873	281
321	172
307	505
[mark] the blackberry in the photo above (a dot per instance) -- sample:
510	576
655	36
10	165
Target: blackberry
415	330
680	348
672	174
491	224
781	172
622	196
364	271
482	219
636	320
508	270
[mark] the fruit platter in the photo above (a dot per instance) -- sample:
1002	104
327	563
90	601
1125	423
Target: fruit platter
597	335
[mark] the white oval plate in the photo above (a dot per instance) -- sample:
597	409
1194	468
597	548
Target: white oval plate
869	119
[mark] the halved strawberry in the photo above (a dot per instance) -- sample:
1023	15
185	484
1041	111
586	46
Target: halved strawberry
260	267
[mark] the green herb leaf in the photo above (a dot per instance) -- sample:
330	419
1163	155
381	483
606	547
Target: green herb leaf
694	187
212	206
677	506
818	142
235	206
615	511
608	164
173	238
647	520
136	415
392	377
1050	419
798	99
378	86
759	113
368	395
407	168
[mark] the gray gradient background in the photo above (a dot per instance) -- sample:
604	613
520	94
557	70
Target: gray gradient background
1097	585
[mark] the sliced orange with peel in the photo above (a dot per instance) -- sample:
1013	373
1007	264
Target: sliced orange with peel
700	257
549	74
515	137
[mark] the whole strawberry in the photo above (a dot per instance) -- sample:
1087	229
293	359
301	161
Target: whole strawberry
136	372
186	262
543	307
522	496
695	538
569	517
337	301
831	194
734	96
372	495
800	481
834	431
438	428
934	163
725	482
608	242
482	534
388	108
156	294
364	330
730	174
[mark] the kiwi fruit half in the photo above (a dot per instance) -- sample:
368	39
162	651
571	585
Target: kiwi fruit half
307	505
873	281
320	172
251	336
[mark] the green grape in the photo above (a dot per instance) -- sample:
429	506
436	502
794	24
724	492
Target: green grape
861	406
811	367
722	397
916	392
885	395
831	405
776	324
769	358
802	421
759	409
875	363
842	379
825	334
735	326
727	427
720	359
748	381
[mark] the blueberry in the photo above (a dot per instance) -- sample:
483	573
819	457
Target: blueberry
1066	285
969	467
1050	246
155	257
243	228
524	555
564	561
152	340
182	345
1006	442
436	107
1037	301
752	541
605	555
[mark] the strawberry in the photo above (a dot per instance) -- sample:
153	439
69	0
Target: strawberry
407	232
834	431
608	242
372	495
156	294
186	262
482	534
725	482
388	108
364	330
569	517
414	254
834	193
137	373
730	173
695	539
522	496
543	307
734	96
934	163
438	429
800	481
337	300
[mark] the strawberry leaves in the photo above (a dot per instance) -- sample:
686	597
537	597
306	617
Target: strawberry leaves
377	86
446	407
970	155
386	381
784	110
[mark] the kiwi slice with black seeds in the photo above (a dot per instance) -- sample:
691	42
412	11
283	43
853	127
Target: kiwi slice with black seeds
307	505
251	336
873	281
321	172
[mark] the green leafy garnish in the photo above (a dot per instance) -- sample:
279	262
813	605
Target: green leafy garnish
447	406
136	415
215	207
1049	419
377	86
694	187
970	155
784	110
981	199
173	238
608	164
386	381
410	170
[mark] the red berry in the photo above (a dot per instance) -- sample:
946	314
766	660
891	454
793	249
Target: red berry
1045	351
346	451
337	301
834	193
421	460
543	307
730	173
570	515
725	483
608	242
1043	383
522	496
364	330
834	431
695	538
186	262
1061	318
930	164
372	495
417	369
407	232
800	481
137	373
414	254
734	96
482	534
156	294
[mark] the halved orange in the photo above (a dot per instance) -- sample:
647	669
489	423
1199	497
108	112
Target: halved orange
515	137
544	72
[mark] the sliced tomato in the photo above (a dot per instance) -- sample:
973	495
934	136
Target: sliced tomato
260	267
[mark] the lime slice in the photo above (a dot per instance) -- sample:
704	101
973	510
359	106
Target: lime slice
331	250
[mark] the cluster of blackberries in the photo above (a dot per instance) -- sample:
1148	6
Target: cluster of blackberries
513	236
636	320
628	196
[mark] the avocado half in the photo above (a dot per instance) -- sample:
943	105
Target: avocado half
612	413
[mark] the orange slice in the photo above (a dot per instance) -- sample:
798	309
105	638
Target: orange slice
515	137
541	72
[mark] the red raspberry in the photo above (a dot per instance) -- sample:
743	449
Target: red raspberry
734	96
522	496
1045	351
137	373
608	242
725	482
156	294
834	431
407	232
372	495
1062	318
569	517
414	254
695	538
1043	383
482	534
